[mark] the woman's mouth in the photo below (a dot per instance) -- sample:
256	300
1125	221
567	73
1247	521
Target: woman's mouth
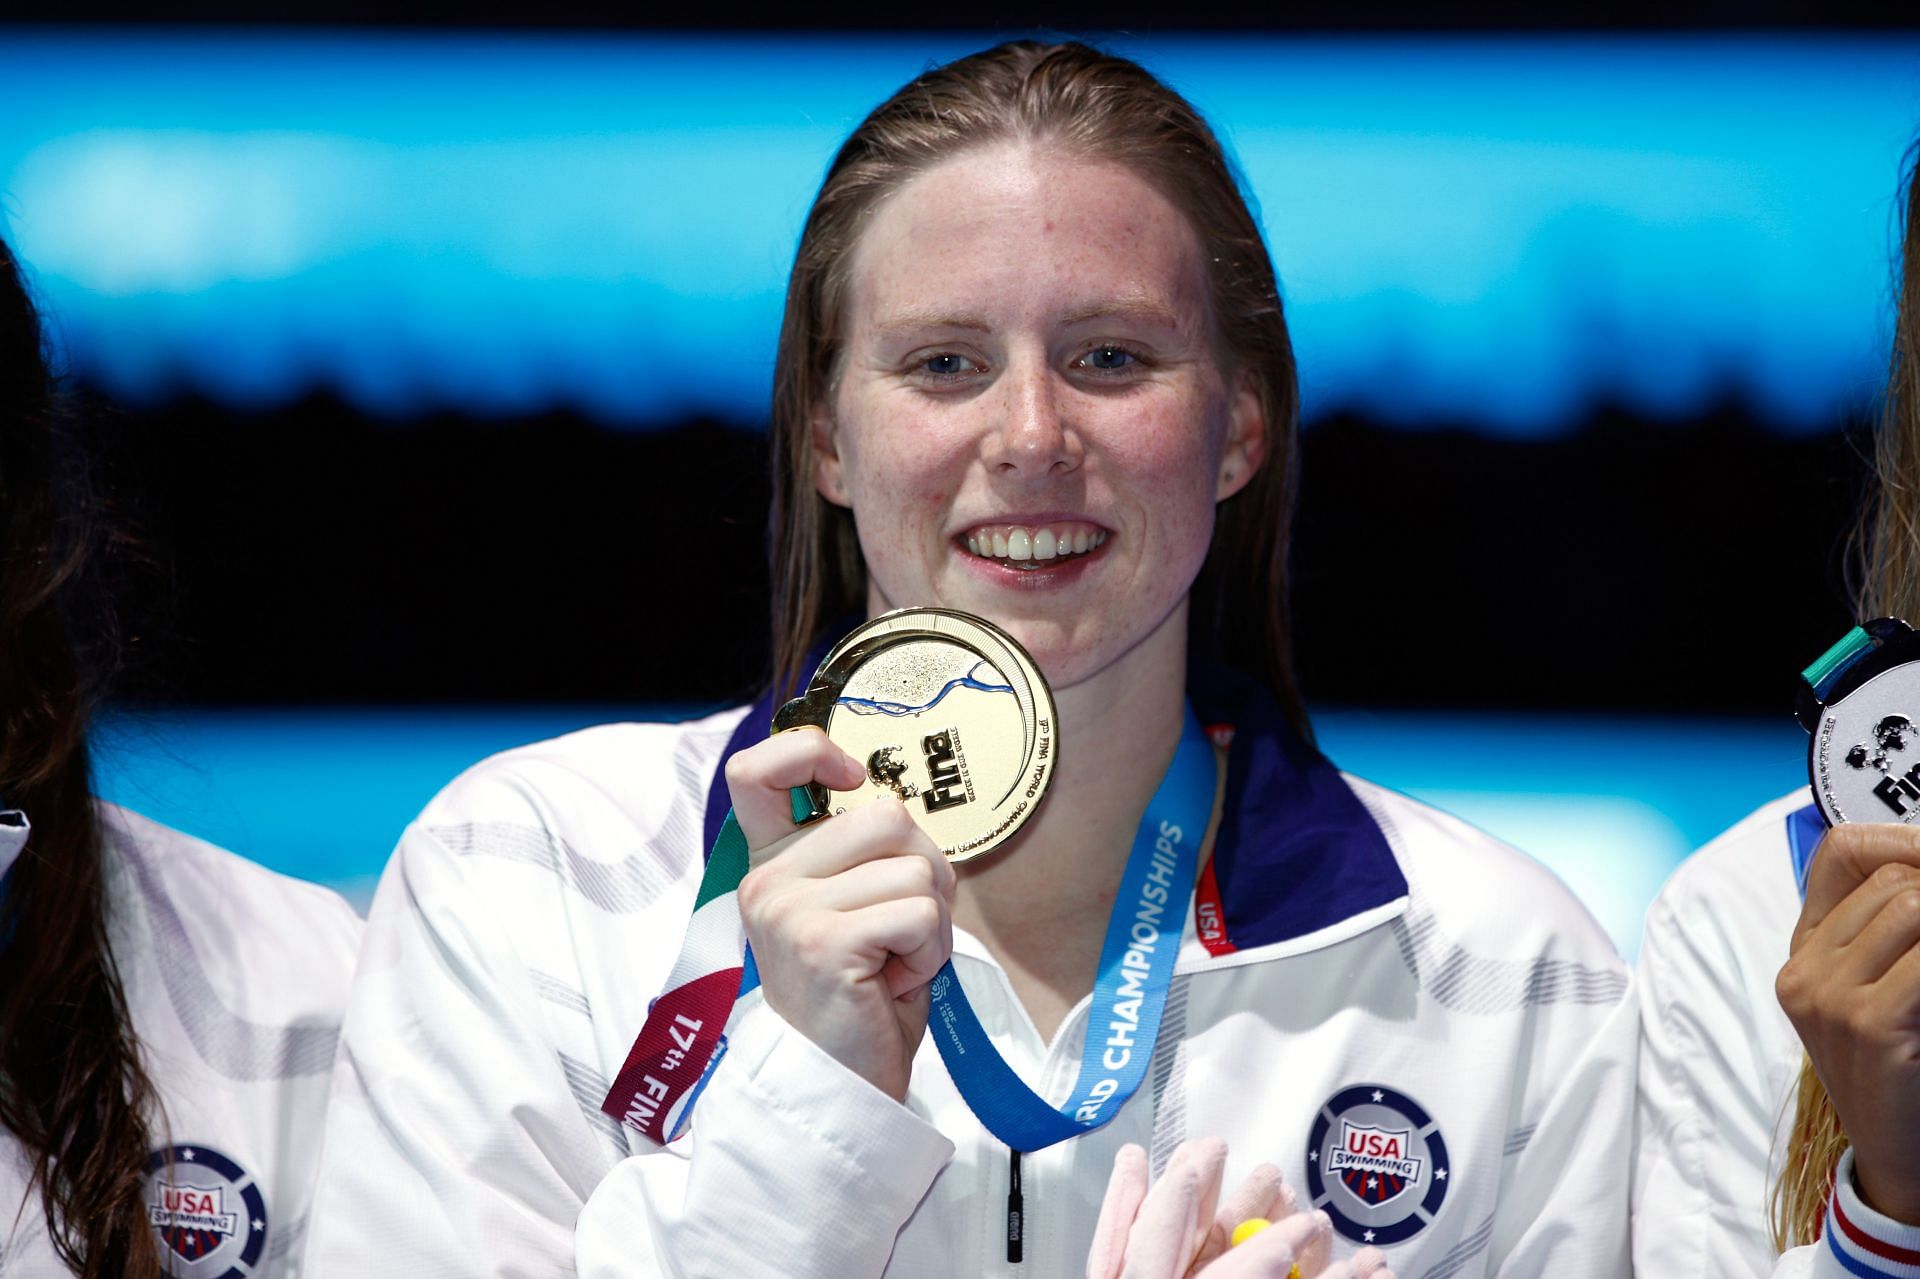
1033	546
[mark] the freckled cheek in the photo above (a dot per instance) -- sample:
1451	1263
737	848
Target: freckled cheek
1174	459
1176	485
906	477
902	493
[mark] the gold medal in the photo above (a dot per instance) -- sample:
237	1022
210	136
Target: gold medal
948	714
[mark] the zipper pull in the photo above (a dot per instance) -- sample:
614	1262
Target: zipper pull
1016	1210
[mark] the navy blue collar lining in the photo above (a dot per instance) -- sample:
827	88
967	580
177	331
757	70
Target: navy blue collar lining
1297	851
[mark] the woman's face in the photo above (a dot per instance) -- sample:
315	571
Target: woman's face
1030	421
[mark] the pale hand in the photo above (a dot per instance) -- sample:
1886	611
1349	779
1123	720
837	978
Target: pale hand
850	918
1182	1229
1852	991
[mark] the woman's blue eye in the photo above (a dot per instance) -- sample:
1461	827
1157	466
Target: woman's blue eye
1107	359
946	365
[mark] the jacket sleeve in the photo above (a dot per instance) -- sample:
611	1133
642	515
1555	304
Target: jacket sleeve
1797	1263
1855	1241
799	1168
1563	1202
454	1144
1704	1117
464	1135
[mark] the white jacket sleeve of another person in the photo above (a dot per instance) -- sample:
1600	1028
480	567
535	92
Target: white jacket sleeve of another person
466	1137
1719	1064
1718	1058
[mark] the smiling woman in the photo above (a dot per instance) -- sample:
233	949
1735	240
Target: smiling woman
1022	265
1069	390
1034	367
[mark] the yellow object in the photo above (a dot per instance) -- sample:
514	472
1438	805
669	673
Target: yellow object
1248	1229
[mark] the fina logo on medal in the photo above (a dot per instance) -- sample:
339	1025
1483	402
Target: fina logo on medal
207	1211
1891	736
1864	753
1376	1165
949	713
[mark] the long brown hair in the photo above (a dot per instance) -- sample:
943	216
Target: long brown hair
72	1087
1093	104
1888	542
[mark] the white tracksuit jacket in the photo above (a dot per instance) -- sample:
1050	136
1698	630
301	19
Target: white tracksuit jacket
1719	1063
1373	970
235	979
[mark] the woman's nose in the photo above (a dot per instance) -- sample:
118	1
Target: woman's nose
1034	437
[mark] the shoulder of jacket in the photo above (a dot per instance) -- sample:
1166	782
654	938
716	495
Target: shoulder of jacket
1729	909
297	912
254	965
1750	861
1482	893
611	816
626	765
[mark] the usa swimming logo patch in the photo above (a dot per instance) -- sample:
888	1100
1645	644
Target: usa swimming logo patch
1377	1165
207	1212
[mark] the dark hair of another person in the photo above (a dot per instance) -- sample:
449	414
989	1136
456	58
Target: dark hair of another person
1888	541
72	1087
1089	105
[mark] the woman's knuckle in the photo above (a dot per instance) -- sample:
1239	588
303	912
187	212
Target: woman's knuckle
1890	876
1861	1021
812	938
894	819
1790	986
926	914
739	769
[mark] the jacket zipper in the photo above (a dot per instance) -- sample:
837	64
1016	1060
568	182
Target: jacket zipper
1016	1210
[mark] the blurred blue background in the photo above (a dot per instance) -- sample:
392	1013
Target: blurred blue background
1496	231
1611	805
1507	245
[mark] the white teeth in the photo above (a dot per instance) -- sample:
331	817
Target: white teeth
1027	547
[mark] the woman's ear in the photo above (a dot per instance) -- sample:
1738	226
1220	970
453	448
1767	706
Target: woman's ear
1246	439
828	479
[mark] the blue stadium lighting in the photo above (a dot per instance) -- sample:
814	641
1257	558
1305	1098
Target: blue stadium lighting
1496	232
1612	806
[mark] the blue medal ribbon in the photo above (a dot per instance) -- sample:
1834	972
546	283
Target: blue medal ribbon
1805	829
1130	994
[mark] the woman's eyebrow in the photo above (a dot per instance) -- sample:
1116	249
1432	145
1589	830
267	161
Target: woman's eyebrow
911	320
1138	309
919	319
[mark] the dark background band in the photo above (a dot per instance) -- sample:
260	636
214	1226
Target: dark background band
314	554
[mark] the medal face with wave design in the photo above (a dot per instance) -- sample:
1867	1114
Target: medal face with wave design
948	714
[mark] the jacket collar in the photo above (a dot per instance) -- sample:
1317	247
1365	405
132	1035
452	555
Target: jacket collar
1297	853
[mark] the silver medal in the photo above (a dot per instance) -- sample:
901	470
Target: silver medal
1864	756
